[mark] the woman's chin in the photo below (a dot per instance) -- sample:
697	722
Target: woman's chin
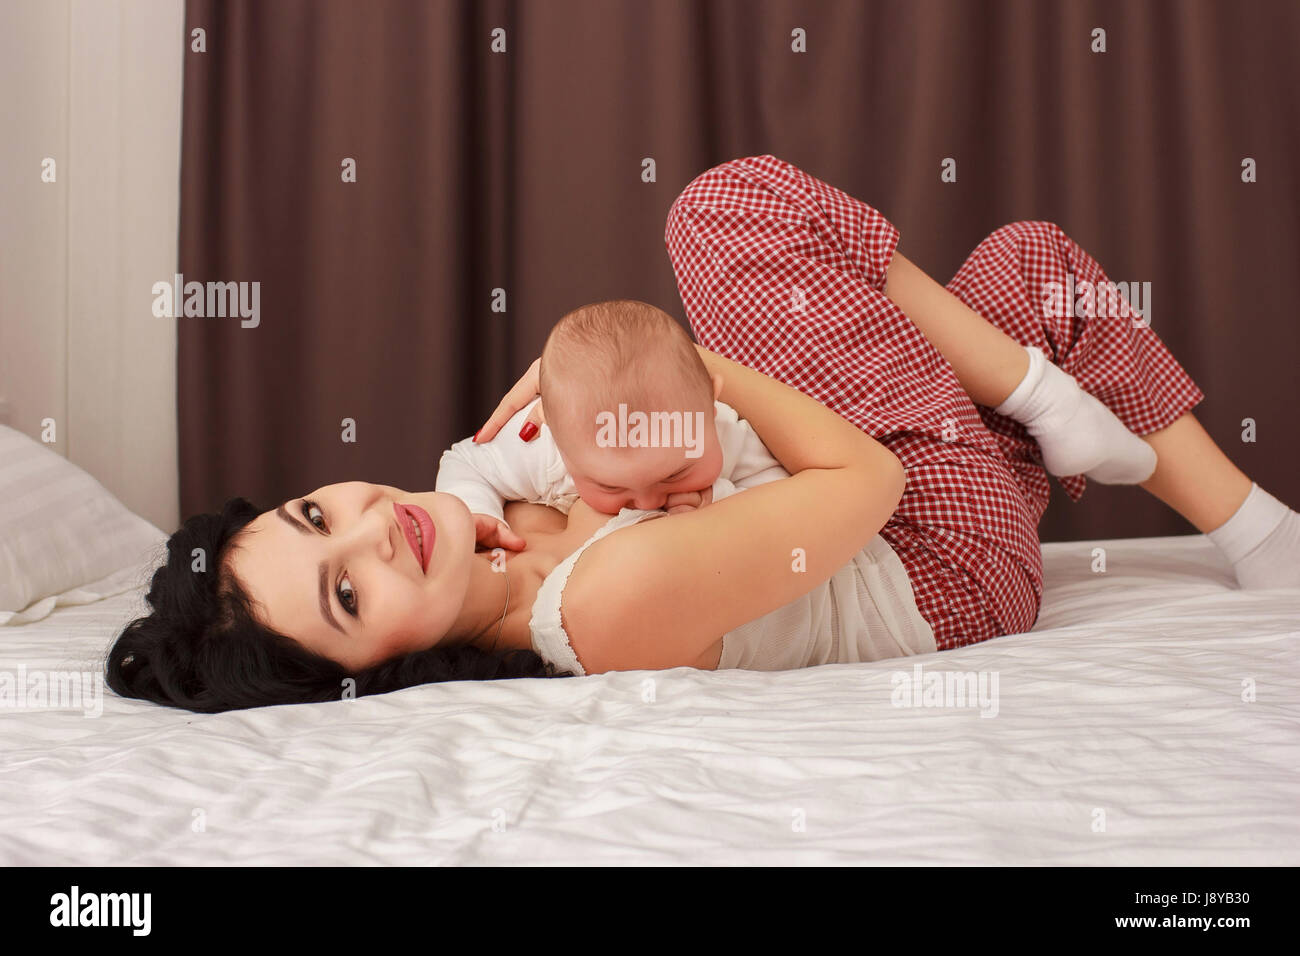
452	522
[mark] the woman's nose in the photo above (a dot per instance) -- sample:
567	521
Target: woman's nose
375	532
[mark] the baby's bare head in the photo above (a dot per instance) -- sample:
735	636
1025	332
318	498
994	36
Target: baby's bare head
609	367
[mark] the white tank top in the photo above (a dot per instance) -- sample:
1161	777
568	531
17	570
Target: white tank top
866	611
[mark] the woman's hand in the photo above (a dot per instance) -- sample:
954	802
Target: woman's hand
525	390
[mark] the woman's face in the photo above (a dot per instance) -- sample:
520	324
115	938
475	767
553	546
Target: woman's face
338	571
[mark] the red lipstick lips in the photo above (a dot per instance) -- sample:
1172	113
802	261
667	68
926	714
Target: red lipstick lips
409	518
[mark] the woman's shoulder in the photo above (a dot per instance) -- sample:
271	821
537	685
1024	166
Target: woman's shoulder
616	553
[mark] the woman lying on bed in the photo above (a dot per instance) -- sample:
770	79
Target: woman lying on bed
918	425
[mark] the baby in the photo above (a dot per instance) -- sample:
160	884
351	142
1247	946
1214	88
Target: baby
632	421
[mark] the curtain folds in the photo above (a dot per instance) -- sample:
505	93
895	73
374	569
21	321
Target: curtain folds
496	189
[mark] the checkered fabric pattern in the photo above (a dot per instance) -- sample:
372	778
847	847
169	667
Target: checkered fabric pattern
784	273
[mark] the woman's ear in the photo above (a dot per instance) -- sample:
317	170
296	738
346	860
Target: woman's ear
717	385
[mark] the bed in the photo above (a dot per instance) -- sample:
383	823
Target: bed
1151	717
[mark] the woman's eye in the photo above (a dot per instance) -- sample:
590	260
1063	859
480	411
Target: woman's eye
347	596
310	508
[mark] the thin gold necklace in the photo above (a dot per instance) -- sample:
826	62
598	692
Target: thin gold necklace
502	625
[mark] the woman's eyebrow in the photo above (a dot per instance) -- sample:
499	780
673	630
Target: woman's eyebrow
325	610
297	525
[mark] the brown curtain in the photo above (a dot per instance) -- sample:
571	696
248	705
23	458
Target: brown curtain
521	171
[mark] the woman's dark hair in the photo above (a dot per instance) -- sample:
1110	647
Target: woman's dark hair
202	649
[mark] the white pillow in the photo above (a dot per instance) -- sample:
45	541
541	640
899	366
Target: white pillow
63	538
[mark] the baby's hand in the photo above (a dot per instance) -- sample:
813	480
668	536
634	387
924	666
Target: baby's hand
688	501
490	532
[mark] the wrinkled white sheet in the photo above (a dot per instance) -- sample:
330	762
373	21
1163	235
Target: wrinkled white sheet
1125	733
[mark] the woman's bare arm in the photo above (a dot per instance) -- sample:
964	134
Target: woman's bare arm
659	594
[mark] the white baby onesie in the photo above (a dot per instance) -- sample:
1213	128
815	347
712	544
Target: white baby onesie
485	476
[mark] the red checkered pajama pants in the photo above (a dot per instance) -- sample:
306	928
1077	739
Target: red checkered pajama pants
785	274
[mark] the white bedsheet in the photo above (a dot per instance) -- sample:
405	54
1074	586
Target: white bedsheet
1121	737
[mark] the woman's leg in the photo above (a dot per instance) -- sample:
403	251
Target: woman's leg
1193	476
988	362
1139	397
784	273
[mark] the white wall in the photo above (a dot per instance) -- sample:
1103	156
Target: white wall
95	85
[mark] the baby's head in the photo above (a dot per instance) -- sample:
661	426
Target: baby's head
630	404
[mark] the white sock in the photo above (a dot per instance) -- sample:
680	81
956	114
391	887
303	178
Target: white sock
1262	542
1077	434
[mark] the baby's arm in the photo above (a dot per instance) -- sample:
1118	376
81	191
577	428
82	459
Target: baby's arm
485	475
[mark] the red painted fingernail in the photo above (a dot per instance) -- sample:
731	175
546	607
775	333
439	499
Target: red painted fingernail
528	431
477	433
